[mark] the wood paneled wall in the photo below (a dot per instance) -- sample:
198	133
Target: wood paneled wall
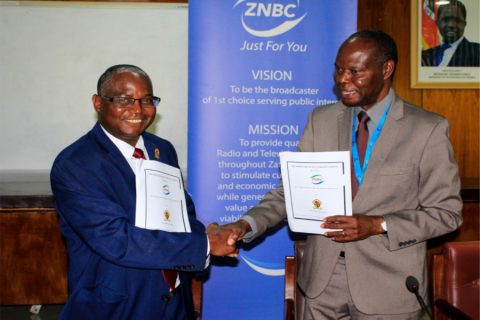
460	107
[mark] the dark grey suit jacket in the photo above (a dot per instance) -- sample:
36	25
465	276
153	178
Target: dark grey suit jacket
466	55
412	180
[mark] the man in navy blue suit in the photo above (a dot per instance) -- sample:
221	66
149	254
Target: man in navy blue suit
456	50
117	270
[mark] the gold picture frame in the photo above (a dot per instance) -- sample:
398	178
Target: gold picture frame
422	77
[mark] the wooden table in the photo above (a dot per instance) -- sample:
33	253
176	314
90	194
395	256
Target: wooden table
33	260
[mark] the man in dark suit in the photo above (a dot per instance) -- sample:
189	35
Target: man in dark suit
456	50
117	270
405	189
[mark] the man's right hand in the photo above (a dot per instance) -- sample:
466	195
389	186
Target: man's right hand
238	230
223	238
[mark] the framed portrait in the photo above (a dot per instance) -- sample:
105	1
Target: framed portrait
445	49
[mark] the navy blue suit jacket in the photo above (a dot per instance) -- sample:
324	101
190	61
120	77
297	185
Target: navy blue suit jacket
467	54
115	268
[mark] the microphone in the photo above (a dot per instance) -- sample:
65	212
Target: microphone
412	286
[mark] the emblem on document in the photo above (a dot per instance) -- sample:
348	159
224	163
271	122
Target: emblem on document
157	153
317	179
166	190
167	215
317	204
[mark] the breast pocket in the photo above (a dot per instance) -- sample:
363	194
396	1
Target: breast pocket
397	171
398	185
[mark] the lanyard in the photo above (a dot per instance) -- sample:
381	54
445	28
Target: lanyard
359	172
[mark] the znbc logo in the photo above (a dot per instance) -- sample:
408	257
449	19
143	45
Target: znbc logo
271	10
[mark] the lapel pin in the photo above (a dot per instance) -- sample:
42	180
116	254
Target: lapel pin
157	153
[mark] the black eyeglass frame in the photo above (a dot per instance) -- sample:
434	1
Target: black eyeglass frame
139	101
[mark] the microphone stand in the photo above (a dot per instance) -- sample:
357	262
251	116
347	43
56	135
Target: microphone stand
422	303
412	286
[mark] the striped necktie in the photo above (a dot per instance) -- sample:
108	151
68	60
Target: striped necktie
439	56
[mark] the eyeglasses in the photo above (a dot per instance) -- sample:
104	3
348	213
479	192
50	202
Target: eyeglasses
124	102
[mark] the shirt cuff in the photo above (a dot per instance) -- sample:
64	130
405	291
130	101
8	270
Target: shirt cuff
384	224
252	224
207	261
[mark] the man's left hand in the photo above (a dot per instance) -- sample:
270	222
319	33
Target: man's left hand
356	227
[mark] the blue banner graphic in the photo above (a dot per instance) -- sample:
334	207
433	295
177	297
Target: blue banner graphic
256	69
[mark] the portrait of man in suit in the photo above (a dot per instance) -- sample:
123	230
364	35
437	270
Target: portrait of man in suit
117	270
455	50
409	193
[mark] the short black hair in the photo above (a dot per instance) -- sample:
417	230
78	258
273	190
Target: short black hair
104	80
385	46
453	3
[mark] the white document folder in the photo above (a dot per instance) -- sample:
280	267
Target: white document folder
317	185
161	201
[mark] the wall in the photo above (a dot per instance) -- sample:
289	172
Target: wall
51	59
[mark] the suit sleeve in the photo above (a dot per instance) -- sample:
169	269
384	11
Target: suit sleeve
440	204
271	209
88	203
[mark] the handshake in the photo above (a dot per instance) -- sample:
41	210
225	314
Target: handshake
223	238
348	228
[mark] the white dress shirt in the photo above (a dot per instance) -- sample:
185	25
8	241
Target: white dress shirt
448	53
127	150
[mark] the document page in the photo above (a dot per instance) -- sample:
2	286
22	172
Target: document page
160	198
317	185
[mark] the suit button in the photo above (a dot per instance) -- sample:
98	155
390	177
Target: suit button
414	240
175	268
181	267
401	244
192	267
164	298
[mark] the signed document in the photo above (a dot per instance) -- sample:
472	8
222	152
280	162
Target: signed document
160	198
317	185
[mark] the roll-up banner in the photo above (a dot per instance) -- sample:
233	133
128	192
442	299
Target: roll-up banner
256	69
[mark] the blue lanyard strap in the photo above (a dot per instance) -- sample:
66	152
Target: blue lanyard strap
359	172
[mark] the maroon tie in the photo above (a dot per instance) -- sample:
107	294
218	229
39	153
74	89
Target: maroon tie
362	142
170	276
138	153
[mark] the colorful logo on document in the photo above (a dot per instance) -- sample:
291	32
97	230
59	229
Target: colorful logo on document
317	204
317	179
166	190
167	215
157	153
